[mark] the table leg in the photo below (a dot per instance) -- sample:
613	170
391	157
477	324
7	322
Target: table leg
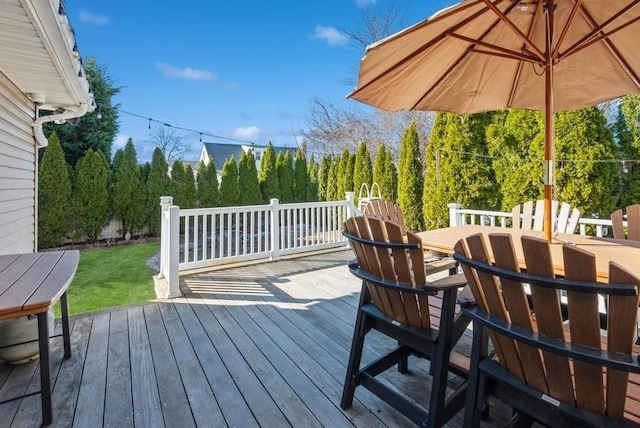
45	368
66	334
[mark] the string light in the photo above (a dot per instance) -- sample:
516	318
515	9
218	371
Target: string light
168	125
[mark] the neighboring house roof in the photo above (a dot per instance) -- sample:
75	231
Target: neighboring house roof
221	152
39	54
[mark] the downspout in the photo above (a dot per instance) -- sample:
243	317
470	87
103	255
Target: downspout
41	140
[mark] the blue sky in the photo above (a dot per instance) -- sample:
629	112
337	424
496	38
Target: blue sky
240	69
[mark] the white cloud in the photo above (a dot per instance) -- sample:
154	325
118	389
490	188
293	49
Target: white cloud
91	18
365	3
249	133
120	141
330	35
185	73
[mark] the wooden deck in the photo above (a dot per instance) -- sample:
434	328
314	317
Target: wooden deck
262	345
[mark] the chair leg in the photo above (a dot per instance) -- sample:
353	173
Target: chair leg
45	369
66	334
473	408
403	364
354	361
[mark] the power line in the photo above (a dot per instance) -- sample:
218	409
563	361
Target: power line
168	125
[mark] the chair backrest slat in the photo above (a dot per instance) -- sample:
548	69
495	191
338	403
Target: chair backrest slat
527	215
517	304
546	306
621	328
508	352
633	222
566	220
617	217
385	210
587	386
402	265
580	265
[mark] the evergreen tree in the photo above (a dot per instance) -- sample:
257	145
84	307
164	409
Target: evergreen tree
128	196
300	172
269	186
90	195
435	214
331	192
627	130
582	140
189	183
207	185
389	190
312	181
344	179
363	170
91	131
284	164
410	179
323	176
178	184
462	171
229	196
248	186
54	195
158	184
516	141
384	173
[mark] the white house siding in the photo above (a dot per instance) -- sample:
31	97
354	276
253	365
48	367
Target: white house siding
17	171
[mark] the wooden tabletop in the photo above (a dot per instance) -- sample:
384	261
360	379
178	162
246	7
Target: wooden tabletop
624	252
31	283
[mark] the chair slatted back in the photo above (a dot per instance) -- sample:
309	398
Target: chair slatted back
565	219
633	223
385	210
583	385
403	264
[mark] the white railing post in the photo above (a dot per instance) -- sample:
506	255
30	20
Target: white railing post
174	252
351	204
275	229
453	214
165	203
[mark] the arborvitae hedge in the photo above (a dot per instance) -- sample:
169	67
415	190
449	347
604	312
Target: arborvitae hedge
248	186
301	177
54	195
410	179
158	184
128	195
285	176
229	196
207	186
268	177
90	196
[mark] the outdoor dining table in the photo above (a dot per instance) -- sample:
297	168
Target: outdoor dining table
624	252
29	285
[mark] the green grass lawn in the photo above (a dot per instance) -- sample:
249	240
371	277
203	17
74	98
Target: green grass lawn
111	277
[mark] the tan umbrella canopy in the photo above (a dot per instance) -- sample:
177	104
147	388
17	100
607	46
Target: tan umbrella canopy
481	55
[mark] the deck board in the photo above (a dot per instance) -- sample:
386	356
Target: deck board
262	345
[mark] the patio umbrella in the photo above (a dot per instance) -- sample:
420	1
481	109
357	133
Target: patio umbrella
482	55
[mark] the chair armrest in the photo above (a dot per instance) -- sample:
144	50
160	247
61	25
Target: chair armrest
452	281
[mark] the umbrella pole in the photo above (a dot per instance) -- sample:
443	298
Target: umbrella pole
548	125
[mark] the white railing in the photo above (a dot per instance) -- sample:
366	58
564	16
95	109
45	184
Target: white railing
208	237
459	216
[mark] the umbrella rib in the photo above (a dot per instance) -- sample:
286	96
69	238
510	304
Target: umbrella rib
507	53
426	46
459	60
574	11
603	37
516	79
515	29
596	28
